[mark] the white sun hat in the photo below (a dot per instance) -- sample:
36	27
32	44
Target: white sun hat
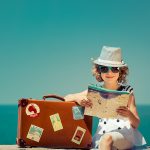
110	56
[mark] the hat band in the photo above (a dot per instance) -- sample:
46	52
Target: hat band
110	62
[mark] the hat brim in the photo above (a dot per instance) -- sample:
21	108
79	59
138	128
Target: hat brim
110	63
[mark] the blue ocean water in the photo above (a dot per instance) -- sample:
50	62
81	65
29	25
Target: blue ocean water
9	118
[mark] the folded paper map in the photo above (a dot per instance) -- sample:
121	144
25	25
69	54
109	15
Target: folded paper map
105	102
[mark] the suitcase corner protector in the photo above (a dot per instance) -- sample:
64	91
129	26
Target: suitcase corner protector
23	102
20	142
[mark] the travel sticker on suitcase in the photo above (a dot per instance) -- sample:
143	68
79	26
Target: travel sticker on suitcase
56	122
78	112
35	133
78	135
32	110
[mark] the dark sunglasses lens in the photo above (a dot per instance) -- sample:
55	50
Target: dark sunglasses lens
103	69
115	69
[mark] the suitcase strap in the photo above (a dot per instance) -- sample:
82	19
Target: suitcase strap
53	96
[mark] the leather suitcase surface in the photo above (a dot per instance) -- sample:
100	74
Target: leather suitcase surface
53	123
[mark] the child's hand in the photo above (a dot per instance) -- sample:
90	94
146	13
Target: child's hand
85	102
124	111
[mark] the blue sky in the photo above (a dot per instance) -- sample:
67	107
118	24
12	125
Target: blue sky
46	46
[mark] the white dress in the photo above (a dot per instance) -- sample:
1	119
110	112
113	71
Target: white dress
121	126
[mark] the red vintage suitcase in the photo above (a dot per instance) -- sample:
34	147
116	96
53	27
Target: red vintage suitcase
53	124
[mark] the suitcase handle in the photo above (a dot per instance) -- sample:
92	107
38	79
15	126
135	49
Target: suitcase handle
53	96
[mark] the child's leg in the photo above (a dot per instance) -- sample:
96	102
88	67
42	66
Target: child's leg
105	142
119	141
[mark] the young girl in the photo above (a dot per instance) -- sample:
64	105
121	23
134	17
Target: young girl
111	71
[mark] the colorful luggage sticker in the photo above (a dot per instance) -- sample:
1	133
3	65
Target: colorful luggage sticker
32	110
35	133
56	122
78	112
78	135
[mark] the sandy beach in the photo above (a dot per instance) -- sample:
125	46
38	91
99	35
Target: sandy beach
15	147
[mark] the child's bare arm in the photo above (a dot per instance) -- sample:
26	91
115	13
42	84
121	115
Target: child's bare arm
80	98
130	112
75	96
134	119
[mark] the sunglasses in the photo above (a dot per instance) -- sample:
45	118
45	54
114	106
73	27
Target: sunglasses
105	69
